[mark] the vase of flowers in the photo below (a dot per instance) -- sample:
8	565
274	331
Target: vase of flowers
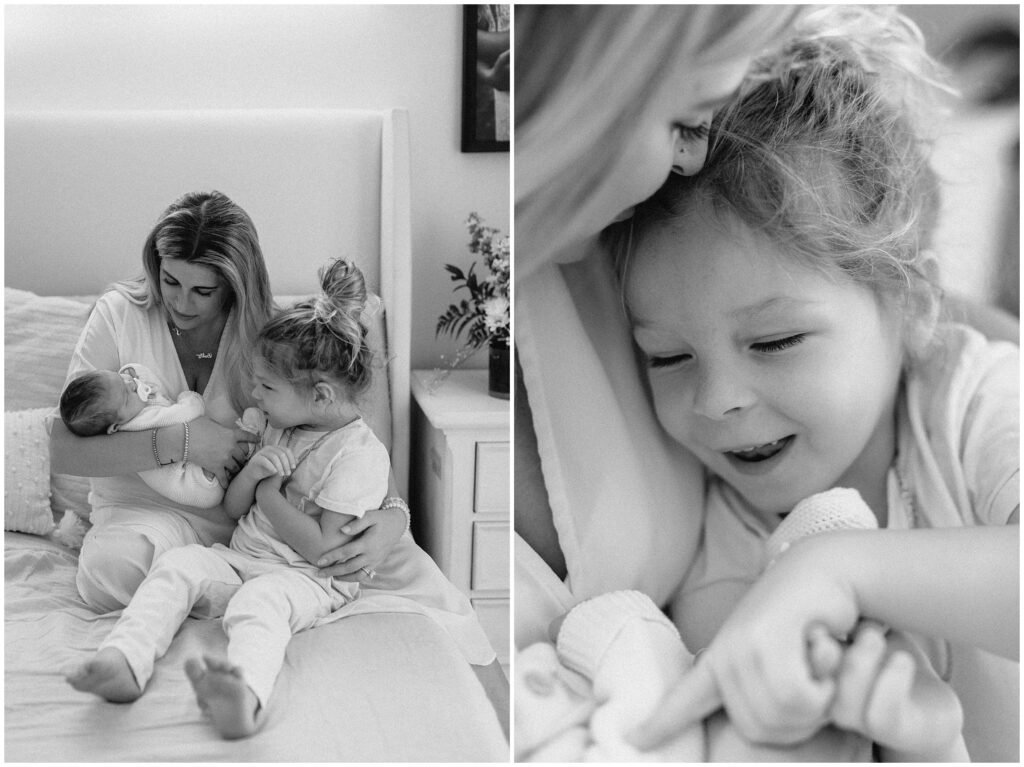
483	316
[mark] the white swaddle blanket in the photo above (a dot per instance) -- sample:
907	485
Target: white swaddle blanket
616	657
183	483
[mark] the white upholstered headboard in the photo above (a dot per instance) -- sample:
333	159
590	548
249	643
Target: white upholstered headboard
83	189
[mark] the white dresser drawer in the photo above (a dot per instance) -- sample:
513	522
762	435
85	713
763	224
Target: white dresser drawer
493	617
491	482
490	556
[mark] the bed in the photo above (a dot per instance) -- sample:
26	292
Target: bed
82	191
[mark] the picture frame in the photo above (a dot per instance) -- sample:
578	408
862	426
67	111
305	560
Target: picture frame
486	30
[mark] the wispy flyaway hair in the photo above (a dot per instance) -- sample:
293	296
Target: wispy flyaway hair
323	336
824	153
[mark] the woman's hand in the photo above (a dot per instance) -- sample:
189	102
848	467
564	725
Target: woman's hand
218	449
376	533
757	666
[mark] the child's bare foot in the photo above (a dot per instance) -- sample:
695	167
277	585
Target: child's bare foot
223	696
108	675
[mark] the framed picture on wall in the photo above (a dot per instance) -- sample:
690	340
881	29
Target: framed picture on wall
486	76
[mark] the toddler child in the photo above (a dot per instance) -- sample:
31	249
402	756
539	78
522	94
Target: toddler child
318	466
103	402
785	305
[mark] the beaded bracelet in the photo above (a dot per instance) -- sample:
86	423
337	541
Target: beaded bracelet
184	452
156	453
395	502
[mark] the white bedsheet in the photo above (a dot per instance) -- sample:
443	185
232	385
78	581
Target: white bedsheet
407	693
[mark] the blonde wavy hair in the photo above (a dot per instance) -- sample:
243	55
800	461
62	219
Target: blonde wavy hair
209	229
825	153
583	73
323	336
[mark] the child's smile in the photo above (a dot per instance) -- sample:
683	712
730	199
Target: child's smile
781	378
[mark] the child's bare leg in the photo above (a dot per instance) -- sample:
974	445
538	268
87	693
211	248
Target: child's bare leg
108	675
224	696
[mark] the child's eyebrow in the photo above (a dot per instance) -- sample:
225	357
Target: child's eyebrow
773	304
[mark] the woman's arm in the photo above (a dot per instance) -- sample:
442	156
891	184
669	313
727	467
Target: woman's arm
370	539
216	448
111	455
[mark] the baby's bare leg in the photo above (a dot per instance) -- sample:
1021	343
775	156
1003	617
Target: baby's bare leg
224	696
108	675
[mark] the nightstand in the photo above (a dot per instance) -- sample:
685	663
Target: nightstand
460	491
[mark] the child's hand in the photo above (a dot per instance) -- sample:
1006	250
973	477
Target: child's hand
757	666
888	691
271	461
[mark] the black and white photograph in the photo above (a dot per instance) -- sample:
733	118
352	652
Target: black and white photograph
239	524
766	395
486	77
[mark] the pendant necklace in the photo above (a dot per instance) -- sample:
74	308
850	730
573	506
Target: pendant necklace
289	436
184	340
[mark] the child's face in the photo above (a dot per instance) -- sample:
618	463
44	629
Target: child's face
284	404
120	396
780	378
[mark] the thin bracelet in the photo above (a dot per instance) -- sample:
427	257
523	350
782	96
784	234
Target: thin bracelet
396	502
156	453
184	451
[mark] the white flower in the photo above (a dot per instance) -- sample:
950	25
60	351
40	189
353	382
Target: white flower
496	313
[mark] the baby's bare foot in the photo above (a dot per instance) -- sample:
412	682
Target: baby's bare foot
223	696
108	675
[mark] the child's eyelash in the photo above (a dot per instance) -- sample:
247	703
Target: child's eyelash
665	362
691	132
779	344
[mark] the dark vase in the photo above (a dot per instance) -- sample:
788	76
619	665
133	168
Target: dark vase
498	369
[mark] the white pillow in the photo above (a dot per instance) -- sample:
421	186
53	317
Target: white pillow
27	472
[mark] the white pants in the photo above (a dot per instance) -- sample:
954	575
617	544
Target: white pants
117	553
261	610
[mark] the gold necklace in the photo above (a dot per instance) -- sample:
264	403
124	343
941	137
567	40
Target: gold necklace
191	350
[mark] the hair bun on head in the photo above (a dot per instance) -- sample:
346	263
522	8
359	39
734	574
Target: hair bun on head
342	300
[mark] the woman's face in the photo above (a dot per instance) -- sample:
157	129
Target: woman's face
780	378
195	296
671	135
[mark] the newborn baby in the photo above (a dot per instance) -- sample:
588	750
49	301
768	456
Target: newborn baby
103	402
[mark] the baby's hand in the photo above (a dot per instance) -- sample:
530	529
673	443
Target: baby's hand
271	461
888	691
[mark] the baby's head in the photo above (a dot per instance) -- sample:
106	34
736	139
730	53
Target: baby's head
778	294
318	347
99	402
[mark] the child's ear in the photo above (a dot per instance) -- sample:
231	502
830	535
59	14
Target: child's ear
112	428
323	393
926	303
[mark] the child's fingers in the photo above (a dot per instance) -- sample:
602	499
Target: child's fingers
824	651
694	696
857	675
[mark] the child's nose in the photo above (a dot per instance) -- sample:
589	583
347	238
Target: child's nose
721	392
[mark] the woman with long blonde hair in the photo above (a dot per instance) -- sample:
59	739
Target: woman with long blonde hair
192	319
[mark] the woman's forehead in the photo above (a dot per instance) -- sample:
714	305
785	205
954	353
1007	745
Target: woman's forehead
196	274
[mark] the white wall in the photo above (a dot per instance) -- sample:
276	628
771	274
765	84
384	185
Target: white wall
300	56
